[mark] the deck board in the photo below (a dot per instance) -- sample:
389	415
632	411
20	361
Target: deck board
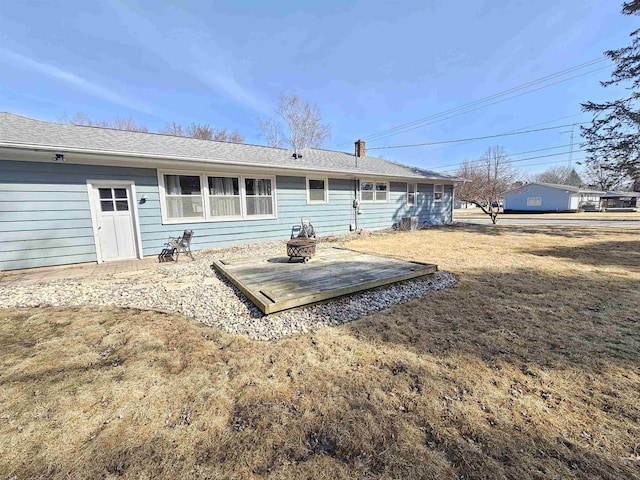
273	284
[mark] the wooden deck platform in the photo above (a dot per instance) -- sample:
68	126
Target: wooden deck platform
275	284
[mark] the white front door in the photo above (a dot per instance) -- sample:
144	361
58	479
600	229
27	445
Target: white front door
116	228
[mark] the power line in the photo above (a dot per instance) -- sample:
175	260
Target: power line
510	161
438	167
407	126
457	111
492	103
525	127
540	150
549	163
473	139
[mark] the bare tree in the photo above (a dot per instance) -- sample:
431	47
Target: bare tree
561	175
118	123
272	131
173	128
296	124
604	178
235	137
226	136
202	131
487	179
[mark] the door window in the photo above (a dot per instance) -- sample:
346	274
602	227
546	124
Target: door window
113	199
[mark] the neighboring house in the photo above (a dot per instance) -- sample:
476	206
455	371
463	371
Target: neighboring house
620	200
549	197
71	194
458	204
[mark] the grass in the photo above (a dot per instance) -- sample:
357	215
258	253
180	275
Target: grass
528	369
463	213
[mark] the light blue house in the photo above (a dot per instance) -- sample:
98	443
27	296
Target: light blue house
71	194
550	197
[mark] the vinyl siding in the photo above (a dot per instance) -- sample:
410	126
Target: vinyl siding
45	217
376	216
553	199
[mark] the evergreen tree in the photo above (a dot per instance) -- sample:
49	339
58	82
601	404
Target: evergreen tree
613	138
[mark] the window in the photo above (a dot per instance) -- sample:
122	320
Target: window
259	200
202	197
382	192
224	197
183	196
534	201
412	193
317	190
374	191
438	193
366	191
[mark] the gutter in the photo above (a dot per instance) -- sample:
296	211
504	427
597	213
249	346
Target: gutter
45	148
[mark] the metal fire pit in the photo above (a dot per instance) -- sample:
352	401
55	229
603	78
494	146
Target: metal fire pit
303	248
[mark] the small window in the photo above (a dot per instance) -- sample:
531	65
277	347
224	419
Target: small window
374	191
366	191
382	192
534	201
317	190
224	197
122	205
183	196
106	205
412	193
259	197
438	193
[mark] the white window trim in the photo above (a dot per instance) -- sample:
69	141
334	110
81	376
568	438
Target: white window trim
242	203
243	197
326	191
95	209
531	203
204	192
415	193
438	200
375	200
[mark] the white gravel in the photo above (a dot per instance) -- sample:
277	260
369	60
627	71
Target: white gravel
195	290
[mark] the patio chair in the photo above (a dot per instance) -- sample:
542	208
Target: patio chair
304	230
181	244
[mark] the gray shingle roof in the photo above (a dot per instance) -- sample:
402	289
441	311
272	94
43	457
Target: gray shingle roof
18	130
569	188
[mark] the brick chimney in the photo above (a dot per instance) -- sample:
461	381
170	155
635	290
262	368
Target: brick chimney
361	148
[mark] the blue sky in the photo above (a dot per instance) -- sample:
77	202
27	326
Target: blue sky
369	65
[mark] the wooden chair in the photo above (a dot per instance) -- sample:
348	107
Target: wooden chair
181	244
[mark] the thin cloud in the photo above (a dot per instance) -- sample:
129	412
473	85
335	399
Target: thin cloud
179	49
230	87
69	78
220	80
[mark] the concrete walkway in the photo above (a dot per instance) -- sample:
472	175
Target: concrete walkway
78	271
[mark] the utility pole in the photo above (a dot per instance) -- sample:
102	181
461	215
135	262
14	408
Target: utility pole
570	161
570	158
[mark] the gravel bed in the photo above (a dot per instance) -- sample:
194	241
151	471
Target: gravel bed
196	290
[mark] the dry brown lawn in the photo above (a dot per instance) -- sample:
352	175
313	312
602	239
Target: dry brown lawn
463	213
529	369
